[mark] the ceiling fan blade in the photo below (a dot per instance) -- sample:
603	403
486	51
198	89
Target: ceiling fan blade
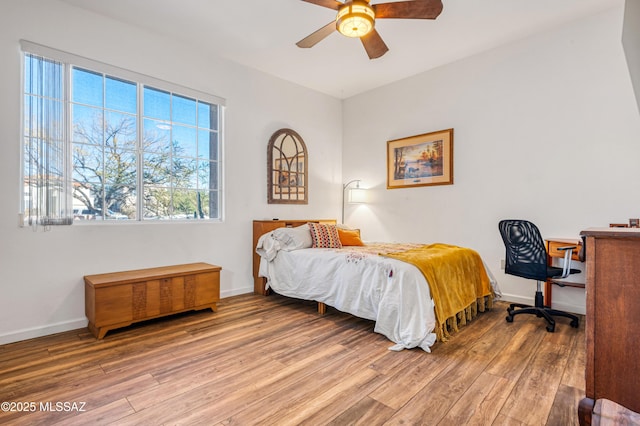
373	44
312	39
331	4
416	9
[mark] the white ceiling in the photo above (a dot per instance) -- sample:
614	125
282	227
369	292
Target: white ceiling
262	34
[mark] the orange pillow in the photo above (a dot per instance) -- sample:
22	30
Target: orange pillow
350	237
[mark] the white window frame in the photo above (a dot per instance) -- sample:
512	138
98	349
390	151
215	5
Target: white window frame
70	60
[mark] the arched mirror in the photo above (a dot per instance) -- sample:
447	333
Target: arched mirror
287	168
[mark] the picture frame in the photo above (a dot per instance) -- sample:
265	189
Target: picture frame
289	175
287	168
421	160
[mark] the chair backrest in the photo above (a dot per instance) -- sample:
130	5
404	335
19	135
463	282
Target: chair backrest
526	253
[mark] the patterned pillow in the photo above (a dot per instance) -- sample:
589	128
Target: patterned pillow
324	236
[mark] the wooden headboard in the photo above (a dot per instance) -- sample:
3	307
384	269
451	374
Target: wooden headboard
261	227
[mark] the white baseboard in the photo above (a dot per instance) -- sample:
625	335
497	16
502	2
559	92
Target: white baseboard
236	292
31	333
567	307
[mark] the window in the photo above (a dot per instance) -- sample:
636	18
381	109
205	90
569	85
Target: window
138	148
45	180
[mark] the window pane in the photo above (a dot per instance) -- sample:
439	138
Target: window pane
87	125
120	200
184	173
185	204
119	175
157	104
157	170
207	145
214	204
204	174
157	136
184	110
207	116
87	200
87	87
157	203
184	141
88	164
120	130
207	175
203	204
121	95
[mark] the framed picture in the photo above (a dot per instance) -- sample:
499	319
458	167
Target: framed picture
420	160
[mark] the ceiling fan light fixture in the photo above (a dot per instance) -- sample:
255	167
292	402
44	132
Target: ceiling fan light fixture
355	19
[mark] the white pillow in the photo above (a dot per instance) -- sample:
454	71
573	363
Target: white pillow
267	247
293	238
287	239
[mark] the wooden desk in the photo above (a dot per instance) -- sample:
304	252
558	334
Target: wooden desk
552	252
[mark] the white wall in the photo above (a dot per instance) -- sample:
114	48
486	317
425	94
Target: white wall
631	42
526	117
41	286
546	129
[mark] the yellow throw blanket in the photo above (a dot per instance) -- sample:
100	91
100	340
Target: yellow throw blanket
458	282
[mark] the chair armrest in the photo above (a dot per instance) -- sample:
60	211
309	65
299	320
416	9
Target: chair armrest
568	252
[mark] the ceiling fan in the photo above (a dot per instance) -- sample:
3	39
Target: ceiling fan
356	18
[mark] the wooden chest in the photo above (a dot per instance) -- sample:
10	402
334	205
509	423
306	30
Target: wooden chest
118	299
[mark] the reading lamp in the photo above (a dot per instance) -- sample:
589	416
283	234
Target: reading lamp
356	195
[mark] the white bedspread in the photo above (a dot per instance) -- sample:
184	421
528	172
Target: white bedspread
392	293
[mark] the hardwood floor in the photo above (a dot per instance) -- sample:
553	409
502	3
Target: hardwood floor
274	360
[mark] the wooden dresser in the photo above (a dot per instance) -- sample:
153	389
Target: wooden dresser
613	319
118	299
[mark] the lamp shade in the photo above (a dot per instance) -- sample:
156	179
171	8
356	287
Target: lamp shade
357	195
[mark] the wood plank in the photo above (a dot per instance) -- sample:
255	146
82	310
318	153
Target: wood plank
574	374
295	390
105	415
517	354
274	360
366	412
564	409
539	383
478	405
411	379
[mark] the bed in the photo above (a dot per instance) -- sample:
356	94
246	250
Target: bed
385	283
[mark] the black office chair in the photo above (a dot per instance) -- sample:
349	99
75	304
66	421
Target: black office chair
527	258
